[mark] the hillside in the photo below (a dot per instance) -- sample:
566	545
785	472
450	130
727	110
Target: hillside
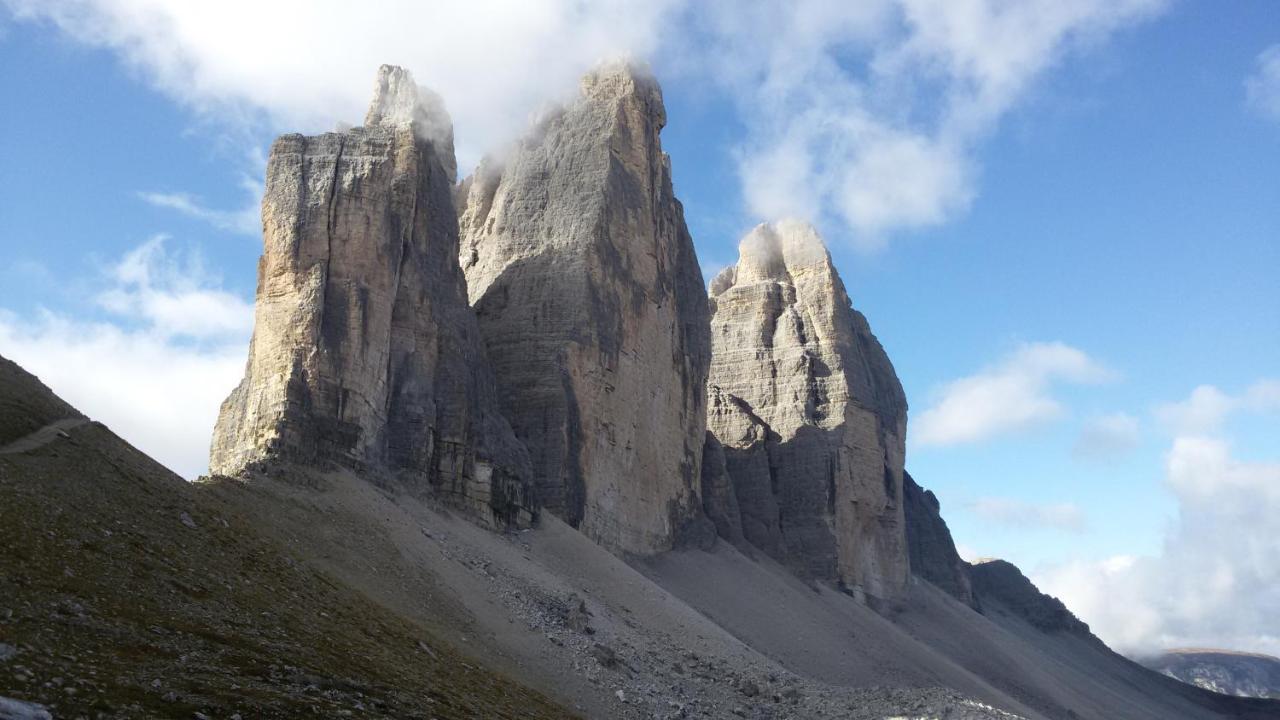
129	592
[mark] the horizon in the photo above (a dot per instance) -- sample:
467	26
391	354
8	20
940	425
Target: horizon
1066	244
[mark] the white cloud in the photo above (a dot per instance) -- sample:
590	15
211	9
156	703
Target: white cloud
866	114
1208	407
1216	580
1021	514
869	113
244	221
1107	437
308	66
1262	88
1013	395
157	374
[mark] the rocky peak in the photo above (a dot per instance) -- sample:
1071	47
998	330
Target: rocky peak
592	308
810	414
365	352
400	102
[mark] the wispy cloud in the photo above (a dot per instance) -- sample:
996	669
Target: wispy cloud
1024	515
1262	88
1216	580
1205	410
1107	437
869	113
157	371
1013	395
244	220
862	115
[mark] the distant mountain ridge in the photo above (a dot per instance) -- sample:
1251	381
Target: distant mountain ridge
1223	671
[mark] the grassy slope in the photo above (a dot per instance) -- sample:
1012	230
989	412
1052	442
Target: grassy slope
117	605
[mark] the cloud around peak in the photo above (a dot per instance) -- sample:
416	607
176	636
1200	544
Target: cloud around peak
863	117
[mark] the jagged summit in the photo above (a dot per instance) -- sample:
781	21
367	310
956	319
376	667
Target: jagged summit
809	412
398	101
365	352
591	303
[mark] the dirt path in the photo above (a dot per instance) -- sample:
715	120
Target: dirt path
43	436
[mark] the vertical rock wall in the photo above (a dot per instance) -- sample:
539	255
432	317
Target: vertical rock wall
592	307
810	414
365	352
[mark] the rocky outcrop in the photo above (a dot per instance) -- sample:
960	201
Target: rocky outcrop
593	311
810	413
929	544
1001	587
365	352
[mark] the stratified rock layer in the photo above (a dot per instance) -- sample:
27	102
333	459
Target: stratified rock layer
810	413
591	303
365	351
929	544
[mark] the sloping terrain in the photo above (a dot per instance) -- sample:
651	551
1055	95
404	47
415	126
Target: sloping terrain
127	592
130	593
1222	671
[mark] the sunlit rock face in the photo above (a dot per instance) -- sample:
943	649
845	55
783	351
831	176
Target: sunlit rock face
365	351
810	414
594	314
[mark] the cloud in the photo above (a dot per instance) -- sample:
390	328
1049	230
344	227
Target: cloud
1021	514
1207	407
157	371
1107	437
1262	88
869	113
306	68
1216	580
1011	396
244	221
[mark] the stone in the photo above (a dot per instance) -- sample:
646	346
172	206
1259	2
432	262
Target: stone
930	546
365	352
594	314
810	414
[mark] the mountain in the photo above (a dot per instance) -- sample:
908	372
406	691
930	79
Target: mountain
1222	671
497	453
593	312
365	352
810	414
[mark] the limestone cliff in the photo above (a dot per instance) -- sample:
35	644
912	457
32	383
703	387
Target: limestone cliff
810	414
930	546
591	304
365	351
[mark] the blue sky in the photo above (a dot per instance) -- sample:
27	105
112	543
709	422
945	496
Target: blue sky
1077	225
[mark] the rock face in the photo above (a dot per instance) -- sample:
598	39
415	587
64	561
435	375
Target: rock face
365	352
929	544
592	308
810	414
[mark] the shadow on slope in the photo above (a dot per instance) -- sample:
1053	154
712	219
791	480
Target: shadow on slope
127	592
